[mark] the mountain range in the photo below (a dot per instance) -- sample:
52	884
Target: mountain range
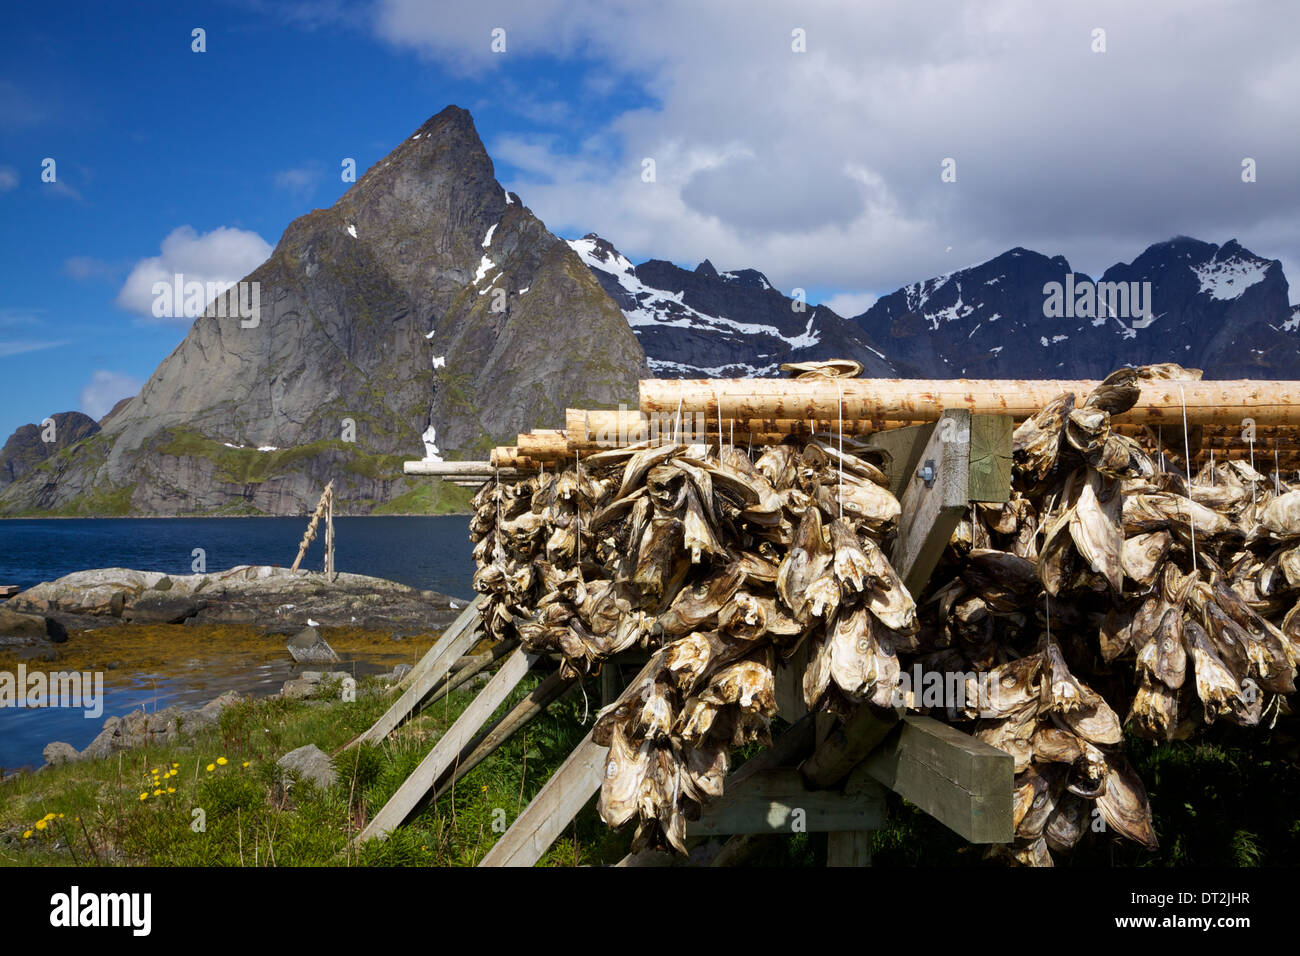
429	313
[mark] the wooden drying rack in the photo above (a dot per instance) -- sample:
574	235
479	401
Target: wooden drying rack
950	445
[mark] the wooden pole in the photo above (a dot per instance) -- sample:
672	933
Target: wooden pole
456	469
310	534
1161	402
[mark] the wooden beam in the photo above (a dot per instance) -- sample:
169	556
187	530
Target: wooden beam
777	801
1160	401
547	814
931	511
845	747
570	787
990	458
962	782
473	666
904	446
448	747
520	716
457	469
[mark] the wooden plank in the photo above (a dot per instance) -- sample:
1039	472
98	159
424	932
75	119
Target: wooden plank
534	705
904	446
790	705
448	747
962	782
455	641
848	848
777	801
930	513
547	814
470	616
990	457
570	787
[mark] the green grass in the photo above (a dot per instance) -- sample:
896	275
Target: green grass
247	821
1229	800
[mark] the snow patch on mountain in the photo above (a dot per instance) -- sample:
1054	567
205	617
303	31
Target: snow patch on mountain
1229	278
658	308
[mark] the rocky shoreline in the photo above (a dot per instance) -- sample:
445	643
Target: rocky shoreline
276	600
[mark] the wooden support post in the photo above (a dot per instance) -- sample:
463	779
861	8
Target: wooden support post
463	634
570	787
933	505
448	747
488	741
470	617
853	847
475	665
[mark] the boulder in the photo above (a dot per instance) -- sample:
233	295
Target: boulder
210	712
58	752
309	763
299	689
164	608
14	624
308	647
108	741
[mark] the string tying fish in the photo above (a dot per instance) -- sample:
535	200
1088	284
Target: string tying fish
719	398
839	392
1187	451
577	515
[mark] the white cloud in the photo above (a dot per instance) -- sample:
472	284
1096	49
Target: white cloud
850	304
223	256
19	346
8	178
300	182
822	169
104	390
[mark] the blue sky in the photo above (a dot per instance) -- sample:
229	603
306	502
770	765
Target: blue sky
819	166
149	136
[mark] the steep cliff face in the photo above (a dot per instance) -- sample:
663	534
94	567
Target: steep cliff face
31	445
428	308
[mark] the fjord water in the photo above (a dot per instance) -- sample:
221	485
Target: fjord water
431	552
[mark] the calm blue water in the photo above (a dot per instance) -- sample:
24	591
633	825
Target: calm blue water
425	552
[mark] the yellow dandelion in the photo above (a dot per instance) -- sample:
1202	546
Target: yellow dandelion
245	763
144	796
48	816
485	789
222	761
211	767
175	765
42	824
158	792
27	834
60	816
171	789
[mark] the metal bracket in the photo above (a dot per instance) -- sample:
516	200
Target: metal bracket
927	473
